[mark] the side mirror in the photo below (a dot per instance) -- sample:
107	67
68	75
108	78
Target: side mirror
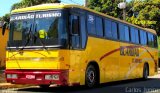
4	28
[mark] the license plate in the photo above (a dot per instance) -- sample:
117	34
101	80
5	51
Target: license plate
30	76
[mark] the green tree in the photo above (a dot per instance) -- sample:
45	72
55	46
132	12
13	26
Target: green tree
108	7
0	18
146	14
5	18
27	3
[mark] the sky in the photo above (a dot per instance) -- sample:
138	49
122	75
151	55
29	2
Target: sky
5	5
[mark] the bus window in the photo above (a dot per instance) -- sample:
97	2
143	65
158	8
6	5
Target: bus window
155	41
108	30
150	40
126	28
91	24
75	24
83	31
75	33
143	37
114	30
121	32
133	40
99	26
136	36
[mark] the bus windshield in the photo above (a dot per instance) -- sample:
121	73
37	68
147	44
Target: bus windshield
47	27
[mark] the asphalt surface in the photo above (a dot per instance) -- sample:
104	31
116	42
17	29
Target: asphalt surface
152	85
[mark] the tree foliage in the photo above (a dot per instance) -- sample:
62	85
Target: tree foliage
108	7
145	13
5	18
27	3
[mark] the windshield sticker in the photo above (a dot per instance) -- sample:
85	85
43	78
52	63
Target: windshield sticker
90	18
32	16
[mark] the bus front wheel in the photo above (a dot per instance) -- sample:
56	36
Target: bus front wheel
91	76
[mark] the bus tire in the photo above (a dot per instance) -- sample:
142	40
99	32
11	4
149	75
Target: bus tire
145	71
91	76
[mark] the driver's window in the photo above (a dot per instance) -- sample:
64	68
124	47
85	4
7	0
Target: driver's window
75	31
75	24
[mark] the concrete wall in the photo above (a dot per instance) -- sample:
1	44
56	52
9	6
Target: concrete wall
3	43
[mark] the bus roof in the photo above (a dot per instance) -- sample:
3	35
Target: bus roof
63	6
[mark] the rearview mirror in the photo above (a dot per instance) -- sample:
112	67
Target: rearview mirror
4	28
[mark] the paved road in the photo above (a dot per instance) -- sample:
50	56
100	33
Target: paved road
152	85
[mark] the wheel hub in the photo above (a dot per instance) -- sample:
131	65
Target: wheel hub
91	76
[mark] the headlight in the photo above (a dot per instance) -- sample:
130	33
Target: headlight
55	77
52	77
9	76
14	76
48	77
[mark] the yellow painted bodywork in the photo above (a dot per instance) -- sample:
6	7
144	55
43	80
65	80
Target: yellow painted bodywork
3	43
112	67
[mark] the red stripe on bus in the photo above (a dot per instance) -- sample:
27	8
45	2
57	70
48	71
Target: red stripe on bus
109	53
113	51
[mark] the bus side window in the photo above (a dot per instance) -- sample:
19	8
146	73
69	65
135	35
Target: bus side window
83	31
91	24
121	32
75	25
99	27
155	41
126	29
133	35
150	40
136	36
108	28
75	31
143	37
114	30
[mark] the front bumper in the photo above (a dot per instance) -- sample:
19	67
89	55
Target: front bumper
39	77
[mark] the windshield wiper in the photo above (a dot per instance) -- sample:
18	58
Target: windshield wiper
28	39
42	43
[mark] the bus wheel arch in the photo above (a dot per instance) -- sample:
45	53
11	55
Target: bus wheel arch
145	70
92	68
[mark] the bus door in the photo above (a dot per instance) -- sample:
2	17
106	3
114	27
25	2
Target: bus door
77	44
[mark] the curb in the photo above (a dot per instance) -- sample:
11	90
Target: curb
6	85
9	85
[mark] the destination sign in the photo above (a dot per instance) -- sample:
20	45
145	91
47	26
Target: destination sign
33	15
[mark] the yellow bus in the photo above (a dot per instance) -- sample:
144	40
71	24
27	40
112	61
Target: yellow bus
70	45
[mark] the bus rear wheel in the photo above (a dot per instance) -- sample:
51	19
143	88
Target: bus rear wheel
145	72
91	78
